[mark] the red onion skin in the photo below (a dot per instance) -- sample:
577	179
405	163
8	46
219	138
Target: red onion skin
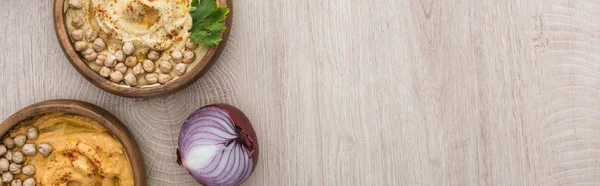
244	130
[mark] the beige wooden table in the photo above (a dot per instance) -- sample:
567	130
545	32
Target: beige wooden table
351	92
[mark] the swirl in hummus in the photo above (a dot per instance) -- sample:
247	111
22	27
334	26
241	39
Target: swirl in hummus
85	153
134	43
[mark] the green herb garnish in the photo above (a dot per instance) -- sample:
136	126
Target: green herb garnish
207	27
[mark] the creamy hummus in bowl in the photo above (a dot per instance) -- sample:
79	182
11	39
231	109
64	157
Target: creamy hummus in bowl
75	143
135	48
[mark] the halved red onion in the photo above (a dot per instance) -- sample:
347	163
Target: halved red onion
218	146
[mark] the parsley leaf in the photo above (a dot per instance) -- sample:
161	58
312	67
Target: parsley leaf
207	26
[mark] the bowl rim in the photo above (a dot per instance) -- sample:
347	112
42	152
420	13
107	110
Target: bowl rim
102	116
136	92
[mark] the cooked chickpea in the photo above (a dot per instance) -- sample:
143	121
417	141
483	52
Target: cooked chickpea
165	66
91	35
121	68
28	170
110	61
190	45
120	55
151	78
29	182
164	78
80	46
176	56
28	149
75	4
180	69
90	54
8	142
188	57
20	140
105	72
4	163
128	48
148	66
131	61
3	150
130	80
32	133
153	55
45	149
137	69
18	157
77	34
77	22
7	177
9	155
116	76
100	59
15	168
98	44
16	182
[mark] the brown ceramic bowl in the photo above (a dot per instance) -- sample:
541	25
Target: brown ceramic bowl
134	92
93	112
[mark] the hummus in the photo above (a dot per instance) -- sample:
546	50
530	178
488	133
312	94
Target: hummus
150	25
84	152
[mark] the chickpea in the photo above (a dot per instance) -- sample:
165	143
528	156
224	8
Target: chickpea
98	44
151	78
100	60
28	149
110	61
16	182
120	55
45	149
15	168
180	69
164	78
176	56
190	45
80	46
9	143
90	54
130	80
9	155
75	4
128	48
148	66
121	68
18	157
131	61
77	22
29	182
91	35
28	170
77	34
20	140
153	55
188	57
7	177
4	164
165	66
32	133
3	149
116	76
137	69
105	72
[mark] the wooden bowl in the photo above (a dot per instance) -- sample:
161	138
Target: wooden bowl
93	112
135	92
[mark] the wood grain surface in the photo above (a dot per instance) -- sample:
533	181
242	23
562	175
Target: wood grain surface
351	92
